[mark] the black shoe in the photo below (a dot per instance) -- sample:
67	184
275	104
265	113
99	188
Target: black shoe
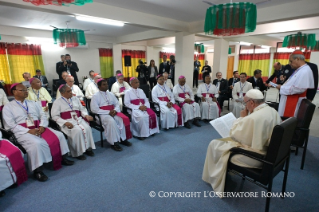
126	143
195	122
81	157
141	138
89	153
40	176
116	147
187	125
2	193
67	162
293	149
206	120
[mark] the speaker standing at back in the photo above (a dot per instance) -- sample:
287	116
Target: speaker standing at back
127	60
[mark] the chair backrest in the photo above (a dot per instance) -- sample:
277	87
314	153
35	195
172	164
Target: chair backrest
49	108
304	117
54	84
146	89
279	146
88	104
1	119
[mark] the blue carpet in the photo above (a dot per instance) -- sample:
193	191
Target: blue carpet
171	161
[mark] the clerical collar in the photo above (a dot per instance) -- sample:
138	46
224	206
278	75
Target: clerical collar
260	107
20	101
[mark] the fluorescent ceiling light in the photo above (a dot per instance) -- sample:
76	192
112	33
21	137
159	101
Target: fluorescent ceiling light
265	47
210	51
244	43
99	20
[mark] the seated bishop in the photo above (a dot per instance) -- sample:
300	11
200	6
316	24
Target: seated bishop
92	88
171	113
116	125
184	95
12	166
76	91
72	117
144	120
119	87
239	91
3	100
209	106
29	124
252	131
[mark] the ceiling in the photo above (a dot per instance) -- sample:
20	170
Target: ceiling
26	18
182	10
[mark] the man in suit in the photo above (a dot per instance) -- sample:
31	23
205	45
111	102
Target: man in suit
62	81
222	87
256	81
282	73
164	66
206	70
71	67
58	65
197	65
231	83
143	74
312	92
113	79
43	79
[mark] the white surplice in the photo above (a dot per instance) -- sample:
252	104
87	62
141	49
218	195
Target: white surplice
298	83
76	91
7	176
190	111
37	148
241	89
169	83
140	119
91	90
252	133
169	116
3	100
87	82
116	91
209	109
80	137
114	128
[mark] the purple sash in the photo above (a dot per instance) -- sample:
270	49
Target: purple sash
126	120
182	95
67	115
175	106
44	103
53	142
243	94
16	160
1	107
122	89
152	115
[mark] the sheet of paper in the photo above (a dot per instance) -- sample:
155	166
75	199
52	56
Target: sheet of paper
223	124
273	84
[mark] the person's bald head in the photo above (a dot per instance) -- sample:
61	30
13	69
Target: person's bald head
96	78
69	81
135	83
165	75
64	75
277	66
296	59
36	84
26	76
20	92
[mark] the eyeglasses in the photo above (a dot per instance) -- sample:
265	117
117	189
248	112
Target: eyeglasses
23	90
245	103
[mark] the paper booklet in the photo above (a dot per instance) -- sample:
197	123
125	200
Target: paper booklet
223	124
273	84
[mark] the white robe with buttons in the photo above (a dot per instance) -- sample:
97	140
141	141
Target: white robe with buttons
37	148
76	91
80	137
238	106
209	109
116	91
91	90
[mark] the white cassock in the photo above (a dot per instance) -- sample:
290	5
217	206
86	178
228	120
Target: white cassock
169	83
7	176
76	91
209	109
114	128
190	111
294	90
140	124
239	91
37	148
87	82
91	90
118	90
3	100
80	137
169	116
252	133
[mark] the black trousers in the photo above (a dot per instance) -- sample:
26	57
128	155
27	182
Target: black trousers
142	81
195	79
152	82
221	100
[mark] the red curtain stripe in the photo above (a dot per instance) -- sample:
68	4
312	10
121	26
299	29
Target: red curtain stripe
23	49
265	56
106	52
133	53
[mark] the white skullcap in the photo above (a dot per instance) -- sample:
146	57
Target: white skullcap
255	94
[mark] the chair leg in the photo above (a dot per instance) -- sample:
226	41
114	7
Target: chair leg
285	177
268	198
296	152
304	151
101	135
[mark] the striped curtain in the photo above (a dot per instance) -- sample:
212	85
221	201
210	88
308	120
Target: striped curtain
24	58
168	54
106	62
135	56
283	57
250	62
201	59
4	66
